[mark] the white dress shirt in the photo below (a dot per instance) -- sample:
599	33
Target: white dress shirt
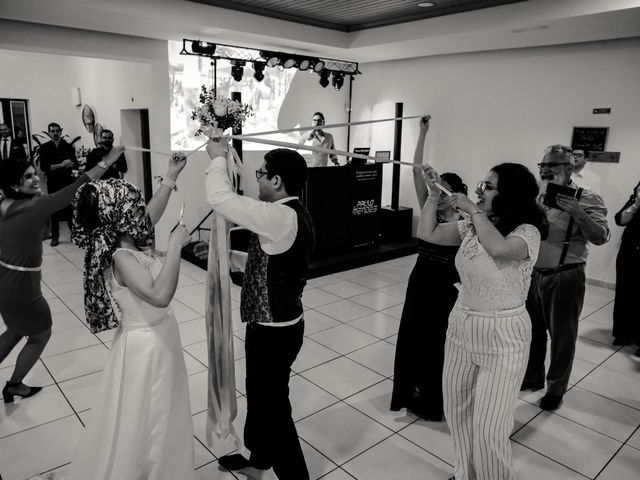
587	180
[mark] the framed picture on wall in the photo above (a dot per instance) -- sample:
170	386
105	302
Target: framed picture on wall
590	139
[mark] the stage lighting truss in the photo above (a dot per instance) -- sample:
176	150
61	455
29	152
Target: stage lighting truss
239	56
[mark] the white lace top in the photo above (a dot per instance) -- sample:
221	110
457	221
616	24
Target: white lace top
488	284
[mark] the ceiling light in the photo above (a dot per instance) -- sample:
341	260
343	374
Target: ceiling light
427	4
338	80
237	69
324	78
203	48
319	66
289	62
259	71
304	64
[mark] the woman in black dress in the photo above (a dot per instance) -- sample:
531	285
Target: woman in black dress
417	381
626	328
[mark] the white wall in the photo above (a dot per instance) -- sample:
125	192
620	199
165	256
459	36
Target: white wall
495	107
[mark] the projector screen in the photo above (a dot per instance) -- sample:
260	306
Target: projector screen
188	73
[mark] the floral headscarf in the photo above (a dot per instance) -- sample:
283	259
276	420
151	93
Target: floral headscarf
121	210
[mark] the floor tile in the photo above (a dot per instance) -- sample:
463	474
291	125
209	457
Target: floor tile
530	465
193	365
397	455
340	432
198	387
25	413
595	331
76	363
317	464
65	321
599	413
434	437
624	361
219	446
579	370
634	441
343	338
377	300
307	398
39	449
599	296
378	357
82	391
325	280
349	274
190	293
315	297
395	311
345	310
603	316
338	474
373	280
345	288
38	376
613	385
377	324
312	354
550	435
70	339
183	313
342	377
374	402
315	321
193	331
202	456
593	352
212	471
624	466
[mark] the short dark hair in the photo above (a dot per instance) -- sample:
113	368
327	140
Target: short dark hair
87	208
11	172
455	182
517	200
290	166
320	114
53	124
106	130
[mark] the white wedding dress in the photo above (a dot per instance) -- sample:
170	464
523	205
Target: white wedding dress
140	426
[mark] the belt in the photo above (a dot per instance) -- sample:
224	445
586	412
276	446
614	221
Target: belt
557	269
20	269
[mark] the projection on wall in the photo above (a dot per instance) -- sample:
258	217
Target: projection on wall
189	73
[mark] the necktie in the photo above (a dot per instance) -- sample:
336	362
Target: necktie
5	152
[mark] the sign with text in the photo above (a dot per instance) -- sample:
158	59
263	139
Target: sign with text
589	139
364	227
604	157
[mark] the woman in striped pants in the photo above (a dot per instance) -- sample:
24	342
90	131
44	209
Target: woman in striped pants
489	331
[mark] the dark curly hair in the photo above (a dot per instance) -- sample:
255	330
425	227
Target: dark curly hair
11	172
455	182
517	200
87	208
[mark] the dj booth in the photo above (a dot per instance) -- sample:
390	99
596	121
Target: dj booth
344	203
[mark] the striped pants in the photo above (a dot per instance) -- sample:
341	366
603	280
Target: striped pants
485	360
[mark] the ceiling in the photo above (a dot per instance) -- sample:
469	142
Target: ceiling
352	15
522	24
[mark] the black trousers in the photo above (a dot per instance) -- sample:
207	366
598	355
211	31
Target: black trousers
554	304
269	431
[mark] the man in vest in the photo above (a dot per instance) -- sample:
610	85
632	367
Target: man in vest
558	281
271	301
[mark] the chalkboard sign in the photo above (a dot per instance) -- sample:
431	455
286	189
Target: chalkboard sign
589	139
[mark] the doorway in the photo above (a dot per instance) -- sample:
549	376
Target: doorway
135	132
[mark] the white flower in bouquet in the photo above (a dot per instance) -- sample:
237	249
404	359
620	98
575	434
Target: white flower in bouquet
219	113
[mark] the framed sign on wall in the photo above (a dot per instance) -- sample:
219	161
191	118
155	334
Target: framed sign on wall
590	139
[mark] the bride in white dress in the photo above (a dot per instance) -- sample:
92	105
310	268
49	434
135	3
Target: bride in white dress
140	425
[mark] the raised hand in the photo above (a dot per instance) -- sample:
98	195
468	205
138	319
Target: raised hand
180	236
425	123
459	201
177	161
569	204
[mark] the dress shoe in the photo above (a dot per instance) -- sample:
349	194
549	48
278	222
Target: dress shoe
550	401
54	242
238	462
531	386
8	395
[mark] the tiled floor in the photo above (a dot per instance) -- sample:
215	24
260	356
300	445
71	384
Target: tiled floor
340	389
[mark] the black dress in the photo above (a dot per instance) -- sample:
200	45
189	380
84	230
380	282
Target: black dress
417	381
626	327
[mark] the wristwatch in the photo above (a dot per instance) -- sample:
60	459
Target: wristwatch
102	164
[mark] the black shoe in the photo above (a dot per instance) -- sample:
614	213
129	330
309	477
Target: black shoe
8	396
238	462
532	386
550	402
54	242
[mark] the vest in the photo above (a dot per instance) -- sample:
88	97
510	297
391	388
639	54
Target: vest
273	284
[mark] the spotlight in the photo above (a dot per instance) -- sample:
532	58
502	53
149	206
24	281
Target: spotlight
237	69
324	78
273	61
338	80
289	62
259	71
319	66
271	58
203	48
304	64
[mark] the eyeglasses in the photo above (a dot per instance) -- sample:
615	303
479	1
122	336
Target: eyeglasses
260	174
551	164
483	187
578	154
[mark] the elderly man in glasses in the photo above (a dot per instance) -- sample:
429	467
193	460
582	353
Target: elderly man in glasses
558	281
581	175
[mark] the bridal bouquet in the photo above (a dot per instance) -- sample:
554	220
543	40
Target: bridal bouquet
219	113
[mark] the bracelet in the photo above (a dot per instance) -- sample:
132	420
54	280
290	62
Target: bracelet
481	212
167	182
